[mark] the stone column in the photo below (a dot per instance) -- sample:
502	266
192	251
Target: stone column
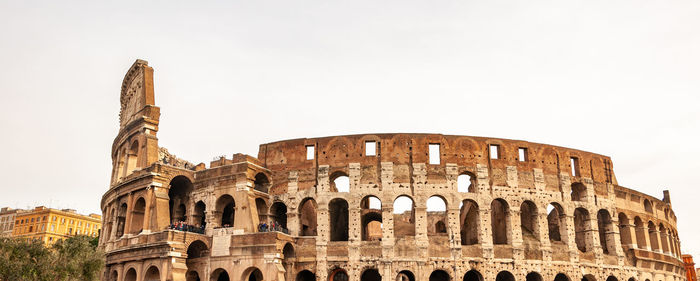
129	209
514	232
485	233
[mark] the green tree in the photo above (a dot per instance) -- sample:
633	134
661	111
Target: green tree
72	259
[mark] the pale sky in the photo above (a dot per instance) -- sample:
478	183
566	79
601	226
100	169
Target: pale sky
619	78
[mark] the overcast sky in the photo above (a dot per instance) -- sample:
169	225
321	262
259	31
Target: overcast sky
619	78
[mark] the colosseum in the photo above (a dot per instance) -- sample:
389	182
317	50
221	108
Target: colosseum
404	207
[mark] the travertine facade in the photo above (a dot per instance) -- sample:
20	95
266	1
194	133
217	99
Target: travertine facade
507	210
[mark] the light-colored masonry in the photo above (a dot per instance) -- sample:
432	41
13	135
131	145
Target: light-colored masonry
356	208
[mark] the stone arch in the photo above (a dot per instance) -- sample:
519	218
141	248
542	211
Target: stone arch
278	214
261	208
533	276
305	275
653	237
588	277
611	278
582	226
500	219
261	183
404	216
505	276
664	238
556	222
625	231
405	275
121	220
340	182
199	215
561	277
339	219
226	210
370	274
152	274
473	275
114	276
436	211
130	275
252	274
466	182
197	249
640	233
338	274
648	207
307	217
219	274
192	275
137	216
179	191
606	232
132	158
578	192
469	222
529	221
439	275
371	218
288	259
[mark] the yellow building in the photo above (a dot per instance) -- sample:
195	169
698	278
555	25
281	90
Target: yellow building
50	225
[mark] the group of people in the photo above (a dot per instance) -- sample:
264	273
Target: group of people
273	226
183	226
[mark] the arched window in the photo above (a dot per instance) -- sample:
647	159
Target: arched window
528	220
405	275
664	238
261	183
254	274
226	208
137	216
179	192
556	222
578	192
581	226
404	217
437	215
473	275
340	182
561	277
288	258
197	249
505	276
132	159
121	220
199	215
499	221
606	232
339	219
278	215
306	275
153	274
307	217
640	233
625	230
261	208
653	237
371	212
469	222
439	275
647	206
339	274
130	275
465	183
220	274
533	276
370	275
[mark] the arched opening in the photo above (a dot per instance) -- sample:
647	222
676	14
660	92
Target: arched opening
288	258
469	222
370	275
404	217
647	206
499	221
153	274
653	237
561	277
405	275
226	207
253	274
640	233
371	212
339	217
121	220
588	277
306	275
528	221
611	278
261	208
199	215
130	275
132	158
192	276
261	183
505	276
533	276
307	217
340	182
465	183
197	249
439	275
278	215
114	276
179	192
473	275
219	275
436	209
338	274
664	238
556	222
606	232
625	230
581	226
137	215
578	192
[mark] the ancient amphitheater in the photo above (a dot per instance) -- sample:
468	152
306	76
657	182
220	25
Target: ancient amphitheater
373	207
